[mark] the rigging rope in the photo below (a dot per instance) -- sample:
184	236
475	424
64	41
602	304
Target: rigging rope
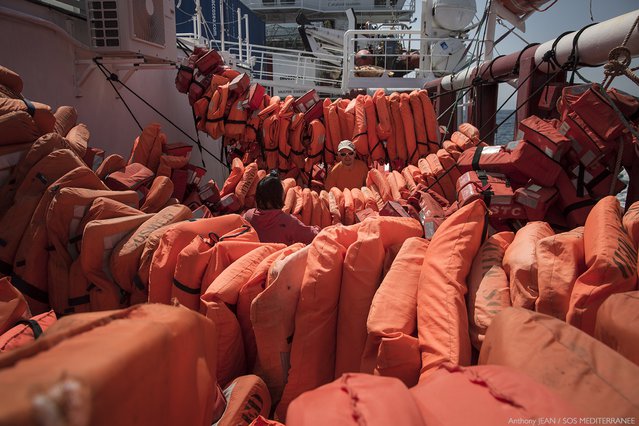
618	65
112	77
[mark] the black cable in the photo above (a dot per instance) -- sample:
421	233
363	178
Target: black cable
519	85
573	58
492	132
199	143
183	47
521	53
113	77
108	78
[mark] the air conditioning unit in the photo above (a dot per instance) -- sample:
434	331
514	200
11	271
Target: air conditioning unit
133	28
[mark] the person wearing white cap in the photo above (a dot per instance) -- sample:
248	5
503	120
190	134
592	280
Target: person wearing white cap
349	172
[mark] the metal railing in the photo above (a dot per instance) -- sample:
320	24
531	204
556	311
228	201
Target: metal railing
396	67
276	67
333	5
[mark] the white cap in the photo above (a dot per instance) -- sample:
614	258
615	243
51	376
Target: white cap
346	144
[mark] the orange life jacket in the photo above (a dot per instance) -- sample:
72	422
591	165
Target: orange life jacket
346	114
360	131
488	288
11	80
408	122
421	137
375	177
192	262
41	113
285	115
611	262
384	127
334	127
162	266
229	273
329	146
215	113
318	139
390	316
148	147
560	261
18	127
99	239
66	117
125	257
398	135
31	258
375	146
63	219
443	326
26	331
361	277
235	122
520	263
430	119
16	219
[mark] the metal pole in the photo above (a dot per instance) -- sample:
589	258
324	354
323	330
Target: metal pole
222	25
490	33
239	34
248	43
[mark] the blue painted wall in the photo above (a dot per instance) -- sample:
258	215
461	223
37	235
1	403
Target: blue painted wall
211	11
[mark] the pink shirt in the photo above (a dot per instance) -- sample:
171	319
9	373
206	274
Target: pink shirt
275	226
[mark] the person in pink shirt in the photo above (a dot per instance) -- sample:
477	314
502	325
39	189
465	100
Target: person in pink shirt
270	222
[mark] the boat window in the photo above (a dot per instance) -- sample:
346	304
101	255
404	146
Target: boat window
72	7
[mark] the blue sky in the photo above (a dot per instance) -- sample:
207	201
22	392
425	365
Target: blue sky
563	16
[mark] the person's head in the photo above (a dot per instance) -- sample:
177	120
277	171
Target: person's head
269	193
346	152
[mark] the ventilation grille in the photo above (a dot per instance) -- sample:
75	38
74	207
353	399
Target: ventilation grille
148	21
103	21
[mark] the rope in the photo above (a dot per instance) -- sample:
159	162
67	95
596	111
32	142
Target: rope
618	64
111	77
619	61
628	126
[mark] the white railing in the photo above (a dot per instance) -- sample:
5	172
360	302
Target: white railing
277	67
337	74
334	5
387	49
